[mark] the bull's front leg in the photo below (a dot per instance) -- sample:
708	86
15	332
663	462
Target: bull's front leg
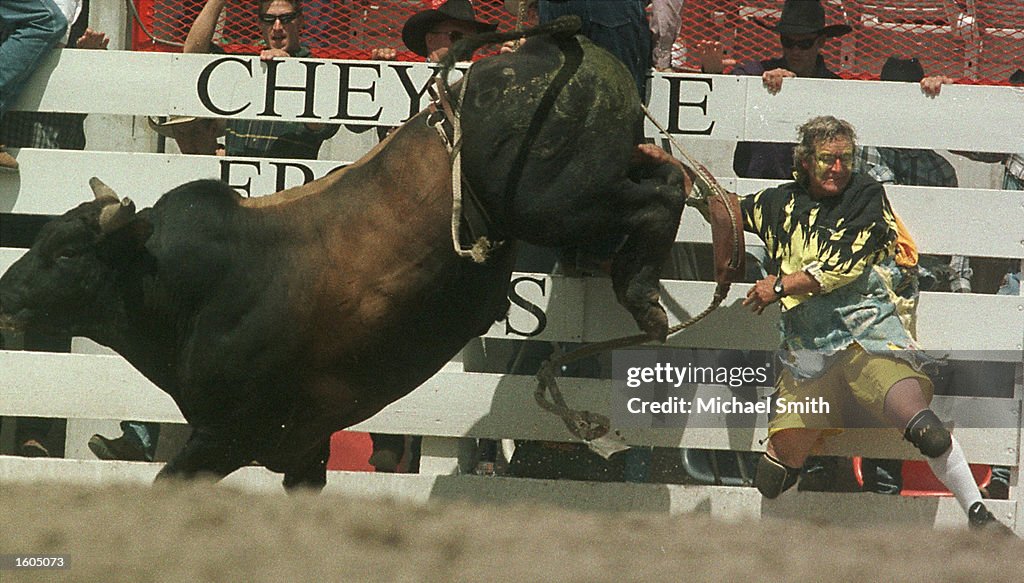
655	207
209	452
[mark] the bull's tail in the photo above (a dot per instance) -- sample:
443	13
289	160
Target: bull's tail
564	26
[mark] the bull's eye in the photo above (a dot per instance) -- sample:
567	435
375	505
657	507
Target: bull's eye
67	253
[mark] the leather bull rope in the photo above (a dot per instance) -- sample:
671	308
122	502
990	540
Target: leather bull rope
723	213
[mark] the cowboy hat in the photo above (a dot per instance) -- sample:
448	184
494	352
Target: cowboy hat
414	33
178	126
172	126
805	17
908	70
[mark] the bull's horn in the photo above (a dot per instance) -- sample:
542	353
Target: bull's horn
115	216
102	191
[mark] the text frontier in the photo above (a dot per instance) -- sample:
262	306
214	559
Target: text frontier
726	406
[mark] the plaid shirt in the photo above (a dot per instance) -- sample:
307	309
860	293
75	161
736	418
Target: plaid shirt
259	138
906	166
32	129
275	139
1014	169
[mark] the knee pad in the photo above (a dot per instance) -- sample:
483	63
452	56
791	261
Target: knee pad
928	434
773	477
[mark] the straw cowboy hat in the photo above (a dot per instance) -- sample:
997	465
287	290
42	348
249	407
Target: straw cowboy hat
414	33
805	17
172	126
193	134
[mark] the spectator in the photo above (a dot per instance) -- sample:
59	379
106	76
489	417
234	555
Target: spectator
841	334
430	33
34	27
280	23
666	20
914	166
61	131
29	129
802	35
620	27
1012	179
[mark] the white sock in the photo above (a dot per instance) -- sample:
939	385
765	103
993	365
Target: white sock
952	470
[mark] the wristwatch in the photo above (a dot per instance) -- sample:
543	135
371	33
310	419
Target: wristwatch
778	289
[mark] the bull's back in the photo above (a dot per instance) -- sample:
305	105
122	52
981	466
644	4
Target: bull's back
549	128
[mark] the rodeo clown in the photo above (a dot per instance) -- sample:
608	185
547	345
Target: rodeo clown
841	252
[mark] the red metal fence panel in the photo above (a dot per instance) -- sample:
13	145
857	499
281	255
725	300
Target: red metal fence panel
979	40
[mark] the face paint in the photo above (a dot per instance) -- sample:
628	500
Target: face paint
831	168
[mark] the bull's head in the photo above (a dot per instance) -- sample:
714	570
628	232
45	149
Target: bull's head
68	282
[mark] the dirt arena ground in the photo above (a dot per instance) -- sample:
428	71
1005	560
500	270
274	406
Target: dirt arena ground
198	533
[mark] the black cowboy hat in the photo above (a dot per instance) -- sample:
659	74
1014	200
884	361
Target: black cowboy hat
414	33
805	17
909	70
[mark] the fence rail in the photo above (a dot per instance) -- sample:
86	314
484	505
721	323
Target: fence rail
39	190
697	107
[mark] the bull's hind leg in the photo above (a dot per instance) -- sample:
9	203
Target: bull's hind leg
654	206
309	473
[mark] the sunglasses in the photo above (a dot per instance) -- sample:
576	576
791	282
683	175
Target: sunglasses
285	18
830	160
453	36
800	44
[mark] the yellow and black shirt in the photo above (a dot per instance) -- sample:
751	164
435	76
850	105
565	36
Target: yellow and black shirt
834	239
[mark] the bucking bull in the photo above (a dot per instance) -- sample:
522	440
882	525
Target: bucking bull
275	321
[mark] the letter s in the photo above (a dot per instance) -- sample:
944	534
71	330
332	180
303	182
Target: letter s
538	313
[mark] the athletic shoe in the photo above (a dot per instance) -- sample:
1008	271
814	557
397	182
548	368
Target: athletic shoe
979	518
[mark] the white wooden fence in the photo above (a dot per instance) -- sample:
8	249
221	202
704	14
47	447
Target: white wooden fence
454	404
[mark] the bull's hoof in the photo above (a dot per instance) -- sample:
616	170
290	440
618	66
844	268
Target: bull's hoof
654	322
